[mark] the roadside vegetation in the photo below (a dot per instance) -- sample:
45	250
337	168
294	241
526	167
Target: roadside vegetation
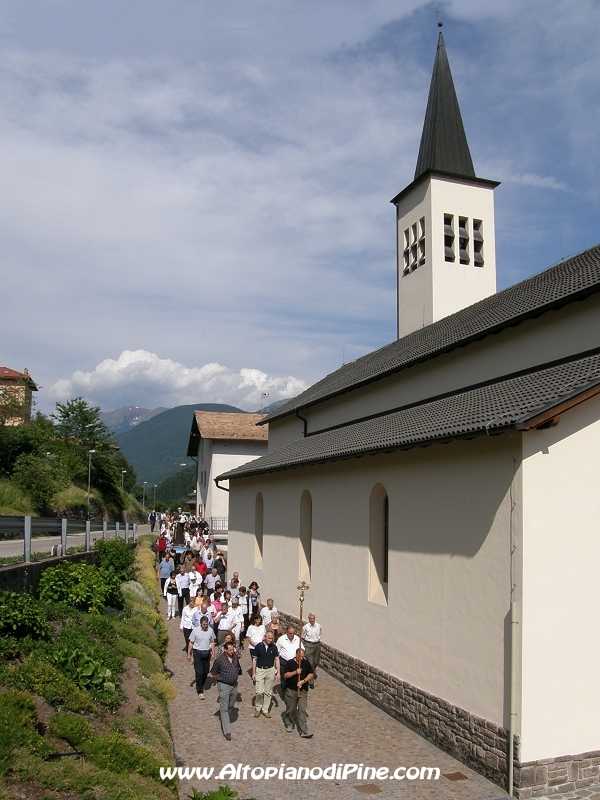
44	466
83	690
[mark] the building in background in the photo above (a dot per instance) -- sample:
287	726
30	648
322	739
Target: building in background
16	396
222	441
445	489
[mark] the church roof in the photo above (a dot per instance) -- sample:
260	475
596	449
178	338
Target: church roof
444	146
564	283
520	402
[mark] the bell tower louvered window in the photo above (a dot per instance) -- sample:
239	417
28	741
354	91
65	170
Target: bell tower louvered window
449	237
478	243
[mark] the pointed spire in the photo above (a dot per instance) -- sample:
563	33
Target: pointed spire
444	146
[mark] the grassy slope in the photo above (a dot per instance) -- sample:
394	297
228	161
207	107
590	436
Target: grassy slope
155	448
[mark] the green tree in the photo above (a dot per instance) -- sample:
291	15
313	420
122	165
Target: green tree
40	477
79	429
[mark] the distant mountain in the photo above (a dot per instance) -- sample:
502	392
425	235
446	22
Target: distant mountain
273	406
157	448
174	491
122	419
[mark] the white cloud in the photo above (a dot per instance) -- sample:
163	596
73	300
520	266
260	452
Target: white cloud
210	181
539	181
144	377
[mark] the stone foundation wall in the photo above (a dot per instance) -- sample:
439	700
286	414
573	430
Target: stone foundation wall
553	775
481	744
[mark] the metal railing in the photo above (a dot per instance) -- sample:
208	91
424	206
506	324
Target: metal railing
219	523
55	537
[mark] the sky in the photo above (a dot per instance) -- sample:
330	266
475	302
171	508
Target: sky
195	195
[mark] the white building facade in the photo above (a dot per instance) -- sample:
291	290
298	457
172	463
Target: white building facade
222	441
445	489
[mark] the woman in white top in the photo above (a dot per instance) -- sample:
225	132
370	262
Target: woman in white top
255	634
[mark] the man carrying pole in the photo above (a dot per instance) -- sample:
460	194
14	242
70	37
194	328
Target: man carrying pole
298	673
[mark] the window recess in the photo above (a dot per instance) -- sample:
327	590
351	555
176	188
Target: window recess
463	240
478	243
449	237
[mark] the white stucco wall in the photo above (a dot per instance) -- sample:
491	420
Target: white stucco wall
443	629
561	586
216	457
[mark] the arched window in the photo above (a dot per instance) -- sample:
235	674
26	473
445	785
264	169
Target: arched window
379	545
258	530
305	535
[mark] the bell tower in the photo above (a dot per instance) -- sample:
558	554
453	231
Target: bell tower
446	256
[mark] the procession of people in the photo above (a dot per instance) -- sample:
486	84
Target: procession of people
221	619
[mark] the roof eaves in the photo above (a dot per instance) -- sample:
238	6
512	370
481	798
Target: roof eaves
433	173
478	335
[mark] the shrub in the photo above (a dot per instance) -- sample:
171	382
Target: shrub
81	585
149	662
136	593
72	728
45	680
20	616
145	567
138	631
115	557
18	722
162	686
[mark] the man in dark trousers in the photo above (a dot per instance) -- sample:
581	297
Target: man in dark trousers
225	673
265	669
298	673
202	643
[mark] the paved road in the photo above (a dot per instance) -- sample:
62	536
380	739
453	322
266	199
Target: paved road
347	729
42	544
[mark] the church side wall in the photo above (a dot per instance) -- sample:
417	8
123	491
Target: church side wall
561	597
443	631
557	334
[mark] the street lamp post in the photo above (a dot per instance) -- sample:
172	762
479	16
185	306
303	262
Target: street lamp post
123	471
89	480
144	496
154	497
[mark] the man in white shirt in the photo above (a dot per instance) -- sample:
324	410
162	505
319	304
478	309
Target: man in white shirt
187	620
311	634
183	587
225	622
267	611
195	581
211	579
288	645
234	577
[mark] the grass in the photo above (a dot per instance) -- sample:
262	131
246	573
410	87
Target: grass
14	501
74	497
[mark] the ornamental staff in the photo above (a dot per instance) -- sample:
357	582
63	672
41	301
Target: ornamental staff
302	588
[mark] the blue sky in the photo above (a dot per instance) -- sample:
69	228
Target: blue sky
195	199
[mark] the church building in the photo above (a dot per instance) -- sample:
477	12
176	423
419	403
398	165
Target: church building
441	494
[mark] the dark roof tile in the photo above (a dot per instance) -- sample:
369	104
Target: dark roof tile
488	409
563	283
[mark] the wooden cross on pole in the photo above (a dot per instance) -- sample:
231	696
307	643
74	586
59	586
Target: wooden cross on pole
302	588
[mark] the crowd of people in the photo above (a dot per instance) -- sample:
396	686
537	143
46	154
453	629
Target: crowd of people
220	618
